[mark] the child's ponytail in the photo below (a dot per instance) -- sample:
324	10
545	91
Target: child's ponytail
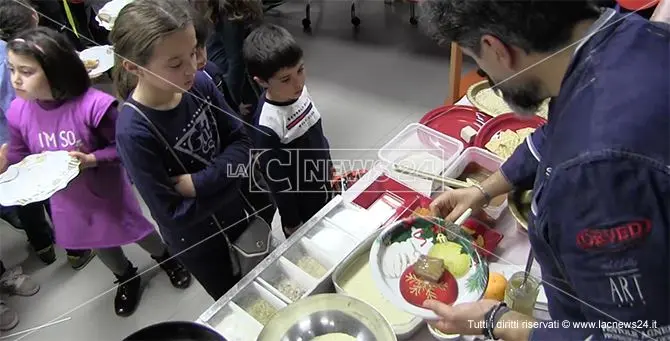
124	81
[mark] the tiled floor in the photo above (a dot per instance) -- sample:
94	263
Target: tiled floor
368	86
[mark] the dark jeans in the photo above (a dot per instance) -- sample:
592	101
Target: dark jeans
36	225
224	48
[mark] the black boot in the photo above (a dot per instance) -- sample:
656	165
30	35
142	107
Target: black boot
178	275
128	292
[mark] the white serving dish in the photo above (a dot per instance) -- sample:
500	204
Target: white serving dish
332	239
236	324
255	290
471	286
104	54
112	9
37	177
485	159
270	278
422	148
402	331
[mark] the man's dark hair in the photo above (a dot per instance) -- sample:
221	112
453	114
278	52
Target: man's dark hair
531	25
268	49
62	66
15	17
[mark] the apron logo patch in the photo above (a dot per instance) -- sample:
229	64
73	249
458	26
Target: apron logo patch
613	238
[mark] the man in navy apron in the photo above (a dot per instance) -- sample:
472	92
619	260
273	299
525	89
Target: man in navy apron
599	168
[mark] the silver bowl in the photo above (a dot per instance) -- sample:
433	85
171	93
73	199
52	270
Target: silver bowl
325	314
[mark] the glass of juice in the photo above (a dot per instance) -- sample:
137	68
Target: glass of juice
522	298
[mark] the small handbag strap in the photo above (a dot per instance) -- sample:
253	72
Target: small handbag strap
158	134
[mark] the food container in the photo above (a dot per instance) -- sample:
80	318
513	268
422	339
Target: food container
332	239
421	148
354	220
438	335
307	256
235	324
362	253
486	160
287	281
255	296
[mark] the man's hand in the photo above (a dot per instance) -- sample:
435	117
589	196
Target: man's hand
464	319
183	184
85	160
3	158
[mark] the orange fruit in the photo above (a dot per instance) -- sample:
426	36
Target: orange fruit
495	290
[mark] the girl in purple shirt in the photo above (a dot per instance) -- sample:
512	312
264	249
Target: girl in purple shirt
57	109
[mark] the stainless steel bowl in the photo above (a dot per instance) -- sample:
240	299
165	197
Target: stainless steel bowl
325	314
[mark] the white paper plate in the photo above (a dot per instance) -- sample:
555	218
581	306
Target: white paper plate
471	286
112	9
103	54
37	178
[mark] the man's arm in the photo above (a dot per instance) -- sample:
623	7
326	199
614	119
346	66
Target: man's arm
610	219
519	170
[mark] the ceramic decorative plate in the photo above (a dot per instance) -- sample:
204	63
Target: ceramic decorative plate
37	178
402	245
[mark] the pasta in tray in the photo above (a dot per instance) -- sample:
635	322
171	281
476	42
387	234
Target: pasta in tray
505	142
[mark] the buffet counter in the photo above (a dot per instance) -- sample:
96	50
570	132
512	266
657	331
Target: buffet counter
309	261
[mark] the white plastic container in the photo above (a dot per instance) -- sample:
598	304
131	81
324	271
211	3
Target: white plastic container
332	239
253	292
421	148
236	324
485	159
281	270
306	248
353	220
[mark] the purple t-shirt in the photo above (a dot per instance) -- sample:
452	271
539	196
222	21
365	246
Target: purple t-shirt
97	209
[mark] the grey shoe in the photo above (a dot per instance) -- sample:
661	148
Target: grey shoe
15	282
8	318
78	262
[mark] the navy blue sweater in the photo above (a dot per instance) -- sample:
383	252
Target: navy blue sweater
293	153
207	140
214	73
